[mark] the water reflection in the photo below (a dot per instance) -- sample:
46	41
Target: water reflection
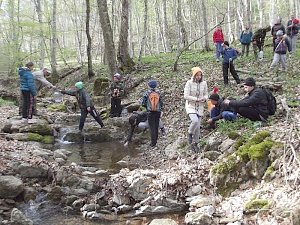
101	155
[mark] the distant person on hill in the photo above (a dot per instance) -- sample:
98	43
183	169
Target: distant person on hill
254	106
85	104
153	102
218	39
245	40
277	26
195	95
220	111
139	119
28	91
258	41
229	54
40	81
116	93
292	29
282	45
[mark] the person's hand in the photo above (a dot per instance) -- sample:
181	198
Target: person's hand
209	121
126	144
230	59
226	101
88	109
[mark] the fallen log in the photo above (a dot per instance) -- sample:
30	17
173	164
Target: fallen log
251	72
70	71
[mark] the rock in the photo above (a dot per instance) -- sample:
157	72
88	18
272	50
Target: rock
200	202
44	153
212	144
55	194
172	149
121	199
138	188
163	222
124	208
18	218
195	218
226	144
10	186
32	171
59	154
212	155
101	86
90	207
71	199
77	204
41	128
29	194
80	192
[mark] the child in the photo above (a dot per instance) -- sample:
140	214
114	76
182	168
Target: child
281	45
85	104
117	91
220	111
229	54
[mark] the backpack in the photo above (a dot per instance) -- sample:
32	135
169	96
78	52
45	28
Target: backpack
272	105
153	103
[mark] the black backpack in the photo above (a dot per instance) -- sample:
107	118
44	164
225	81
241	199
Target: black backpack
272	104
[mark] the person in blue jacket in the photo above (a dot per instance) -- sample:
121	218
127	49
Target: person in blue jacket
229	54
28	89
245	39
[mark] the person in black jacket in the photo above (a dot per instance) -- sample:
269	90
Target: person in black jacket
254	106
220	111
85	104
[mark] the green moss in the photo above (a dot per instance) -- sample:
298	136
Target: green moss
226	166
227	189
239	142
57	108
269	171
257	204
256	147
40	138
233	135
41	129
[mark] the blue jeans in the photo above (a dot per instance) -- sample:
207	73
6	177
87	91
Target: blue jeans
227	115
218	49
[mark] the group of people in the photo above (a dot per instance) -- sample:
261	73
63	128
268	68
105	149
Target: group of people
283	39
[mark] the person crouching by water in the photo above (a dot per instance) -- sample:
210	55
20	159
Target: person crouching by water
85	104
195	94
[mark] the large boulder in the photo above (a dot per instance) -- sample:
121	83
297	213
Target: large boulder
18	218
10	186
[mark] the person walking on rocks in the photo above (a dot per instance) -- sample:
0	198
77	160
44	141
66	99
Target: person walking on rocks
153	102
28	90
85	104
195	95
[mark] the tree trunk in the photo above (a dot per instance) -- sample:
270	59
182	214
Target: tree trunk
107	36
126	63
89	40
54	44
166	35
206	38
248	13
41	38
182	41
260	6
145	31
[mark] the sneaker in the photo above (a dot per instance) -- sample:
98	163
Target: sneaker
24	120
31	121
190	138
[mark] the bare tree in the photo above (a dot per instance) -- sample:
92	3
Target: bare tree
145	31
54	43
89	39
206	40
166	35
126	63
182	41
107	36
38	7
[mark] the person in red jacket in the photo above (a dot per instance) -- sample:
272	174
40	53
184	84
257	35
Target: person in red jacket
218	39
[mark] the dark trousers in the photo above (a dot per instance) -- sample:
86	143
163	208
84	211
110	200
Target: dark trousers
230	66
116	108
250	113
34	111
153	120
83	115
27	105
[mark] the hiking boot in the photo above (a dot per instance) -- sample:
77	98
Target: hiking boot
190	138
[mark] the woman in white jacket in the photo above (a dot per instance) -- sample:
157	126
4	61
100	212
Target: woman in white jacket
195	94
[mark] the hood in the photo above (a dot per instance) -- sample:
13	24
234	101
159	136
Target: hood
196	70
22	70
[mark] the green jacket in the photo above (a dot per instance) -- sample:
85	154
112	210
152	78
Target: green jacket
117	89
83	98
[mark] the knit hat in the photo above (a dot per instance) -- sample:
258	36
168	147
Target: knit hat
196	70
79	85
226	43
118	76
152	84
249	82
215	97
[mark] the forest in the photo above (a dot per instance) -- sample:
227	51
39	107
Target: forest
62	33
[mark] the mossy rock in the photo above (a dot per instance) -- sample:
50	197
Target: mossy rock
57	107
225	167
41	129
233	135
101	86
257	204
40	138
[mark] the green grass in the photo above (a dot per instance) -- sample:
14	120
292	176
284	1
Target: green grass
4	102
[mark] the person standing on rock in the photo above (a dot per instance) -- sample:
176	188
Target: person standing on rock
40	81
117	92
28	90
85	104
153	102
195	94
